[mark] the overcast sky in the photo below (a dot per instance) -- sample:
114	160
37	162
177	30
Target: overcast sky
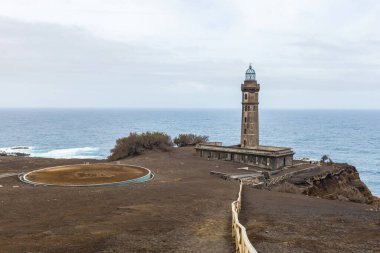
189	54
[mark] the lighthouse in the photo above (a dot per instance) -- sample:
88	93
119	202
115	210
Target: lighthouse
250	110
249	151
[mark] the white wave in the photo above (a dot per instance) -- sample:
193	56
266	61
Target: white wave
85	152
81	153
17	149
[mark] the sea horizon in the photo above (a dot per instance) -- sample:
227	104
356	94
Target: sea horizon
349	136
186	108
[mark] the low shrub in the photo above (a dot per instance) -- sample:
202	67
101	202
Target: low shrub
183	140
136	144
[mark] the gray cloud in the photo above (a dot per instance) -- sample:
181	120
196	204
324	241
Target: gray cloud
197	62
41	61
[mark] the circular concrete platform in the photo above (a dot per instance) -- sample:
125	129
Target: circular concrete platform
99	174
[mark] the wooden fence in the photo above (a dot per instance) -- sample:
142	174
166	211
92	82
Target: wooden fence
242	243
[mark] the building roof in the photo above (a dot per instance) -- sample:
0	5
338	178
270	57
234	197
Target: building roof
269	151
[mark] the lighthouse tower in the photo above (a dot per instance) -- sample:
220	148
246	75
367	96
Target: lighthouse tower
250	110
249	151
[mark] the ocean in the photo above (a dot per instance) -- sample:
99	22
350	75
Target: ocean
346	136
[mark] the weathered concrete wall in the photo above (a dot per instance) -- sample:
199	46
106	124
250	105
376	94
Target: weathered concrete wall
289	161
263	161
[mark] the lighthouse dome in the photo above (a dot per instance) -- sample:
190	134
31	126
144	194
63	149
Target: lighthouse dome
250	74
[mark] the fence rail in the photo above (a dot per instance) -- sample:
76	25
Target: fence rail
242	243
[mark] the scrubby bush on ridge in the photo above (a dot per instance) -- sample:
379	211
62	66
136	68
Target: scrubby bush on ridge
183	140
136	144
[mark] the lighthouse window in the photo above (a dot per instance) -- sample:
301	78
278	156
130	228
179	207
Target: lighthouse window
245	131
245	119
245	96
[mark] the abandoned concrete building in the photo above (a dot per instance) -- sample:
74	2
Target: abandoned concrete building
249	151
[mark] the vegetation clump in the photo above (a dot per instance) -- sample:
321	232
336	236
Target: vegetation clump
136	144
183	140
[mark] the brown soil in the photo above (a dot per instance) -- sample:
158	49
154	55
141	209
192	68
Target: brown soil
285	222
183	209
83	174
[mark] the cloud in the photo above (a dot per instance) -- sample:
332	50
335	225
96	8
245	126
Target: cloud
54	65
186	53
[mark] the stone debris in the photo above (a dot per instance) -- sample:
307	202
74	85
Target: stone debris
48	232
255	180
241	176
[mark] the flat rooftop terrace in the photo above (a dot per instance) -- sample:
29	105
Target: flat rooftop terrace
260	150
269	148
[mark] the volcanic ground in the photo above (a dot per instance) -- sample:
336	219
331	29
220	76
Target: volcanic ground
183	209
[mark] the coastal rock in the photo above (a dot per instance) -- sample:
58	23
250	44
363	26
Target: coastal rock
20	147
19	154
3	153
342	185
329	181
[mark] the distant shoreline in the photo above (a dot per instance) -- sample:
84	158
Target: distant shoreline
345	135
